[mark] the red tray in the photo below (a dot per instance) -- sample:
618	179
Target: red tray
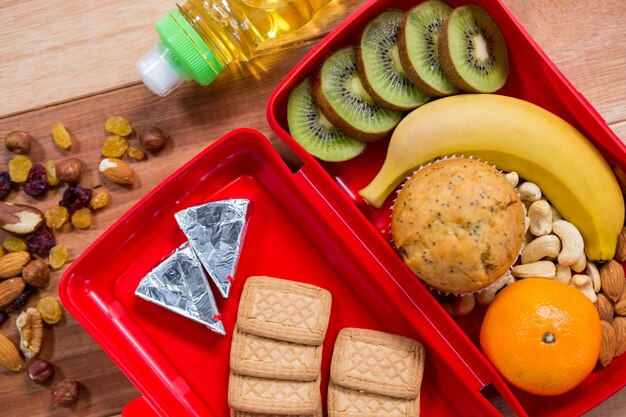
181	367
533	77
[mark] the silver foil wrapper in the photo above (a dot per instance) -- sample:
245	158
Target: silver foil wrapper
216	232
180	285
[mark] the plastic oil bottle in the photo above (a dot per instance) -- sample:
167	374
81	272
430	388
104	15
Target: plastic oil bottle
202	37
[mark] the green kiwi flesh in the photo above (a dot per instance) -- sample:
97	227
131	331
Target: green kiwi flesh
340	95
418	47
314	132
473	50
379	67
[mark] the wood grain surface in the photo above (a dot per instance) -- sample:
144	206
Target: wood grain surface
74	62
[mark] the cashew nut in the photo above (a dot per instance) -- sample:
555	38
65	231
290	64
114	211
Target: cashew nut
463	305
563	274
573	246
580	264
540	216
548	246
594	274
513	178
486	296
529	191
583	283
539	269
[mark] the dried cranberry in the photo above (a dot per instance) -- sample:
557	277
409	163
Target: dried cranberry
40	242
75	197
36	183
20	301
5	183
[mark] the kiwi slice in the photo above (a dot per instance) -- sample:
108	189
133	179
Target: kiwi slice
379	67
417	43
342	99
473	51
313	131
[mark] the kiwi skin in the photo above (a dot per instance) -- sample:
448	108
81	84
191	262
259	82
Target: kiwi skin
368	87
337	121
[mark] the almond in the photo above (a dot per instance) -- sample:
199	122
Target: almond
9	355
612	278
619	326
117	171
605	308
620	248
10	290
608	345
12	264
620	306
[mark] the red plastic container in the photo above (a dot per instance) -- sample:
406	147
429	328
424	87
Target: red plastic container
308	226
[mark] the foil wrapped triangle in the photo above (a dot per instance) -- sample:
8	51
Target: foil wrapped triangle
216	231
179	284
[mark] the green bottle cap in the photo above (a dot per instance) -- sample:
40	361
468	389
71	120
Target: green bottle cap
191	52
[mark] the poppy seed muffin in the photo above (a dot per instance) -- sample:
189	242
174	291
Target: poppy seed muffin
458	224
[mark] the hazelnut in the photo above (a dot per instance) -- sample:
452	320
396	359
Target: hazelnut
40	371
153	139
18	141
64	393
36	273
69	170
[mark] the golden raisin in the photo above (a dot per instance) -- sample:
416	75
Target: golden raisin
57	257
99	199
118	126
136	153
14	244
50	310
51	173
61	136
56	217
19	167
82	218
114	147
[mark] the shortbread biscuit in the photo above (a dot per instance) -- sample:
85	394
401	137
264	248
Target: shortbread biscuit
344	402
273	396
378	363
270	358
284	310
318	413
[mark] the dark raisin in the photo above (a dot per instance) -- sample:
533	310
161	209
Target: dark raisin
5	183
20	301
4	316
36	183
75	197
40	242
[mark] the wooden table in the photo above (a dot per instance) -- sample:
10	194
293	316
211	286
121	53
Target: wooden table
74	62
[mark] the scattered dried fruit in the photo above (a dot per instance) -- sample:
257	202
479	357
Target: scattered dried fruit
51	173
61	136
100	199
18	168
114	147
82	218
65	393
136	153
36	182
19	303
153	139
5	183
40	242
9	355
56	217
75	197
20	219
14	244
50	310
58	257
70	170
118	126
117	171
18	141
30	326
37	273
40	371
11	264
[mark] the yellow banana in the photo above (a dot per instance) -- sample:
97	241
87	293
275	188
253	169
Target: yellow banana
514	135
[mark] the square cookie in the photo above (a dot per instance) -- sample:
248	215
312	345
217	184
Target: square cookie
344	402
284	310
378	363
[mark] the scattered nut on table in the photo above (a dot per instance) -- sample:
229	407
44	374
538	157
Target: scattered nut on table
65	393
18	141
69	170
153	139
30	326
40	370
36	273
